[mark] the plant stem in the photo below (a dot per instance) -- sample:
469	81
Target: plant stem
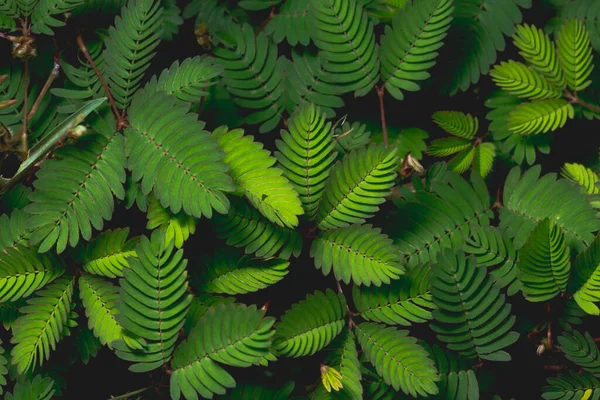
272	15
574	99
45	89
121	123
380	94
22	135
128	395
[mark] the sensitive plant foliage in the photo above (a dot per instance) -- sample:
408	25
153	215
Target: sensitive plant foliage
171	209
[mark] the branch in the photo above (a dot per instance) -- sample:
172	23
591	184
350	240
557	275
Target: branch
272	15
574	99
380	94
130	394
121	123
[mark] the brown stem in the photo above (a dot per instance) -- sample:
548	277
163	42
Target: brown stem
272	15
380	94
7	37
130	394
349	313
202	100
22	135
574	99
555	368
121	123
549	336
45	89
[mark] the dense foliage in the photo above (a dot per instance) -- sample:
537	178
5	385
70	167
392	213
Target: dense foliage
292	199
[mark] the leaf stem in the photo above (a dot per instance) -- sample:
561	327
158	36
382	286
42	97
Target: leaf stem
121	122
380	94
574	99
262	26
128	395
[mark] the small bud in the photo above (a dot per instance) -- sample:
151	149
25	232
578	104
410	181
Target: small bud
77	131
540	349
331	378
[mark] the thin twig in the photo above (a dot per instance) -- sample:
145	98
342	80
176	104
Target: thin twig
22	135
45	89
380	94
574	99
121	123
272	15
128	395
549	336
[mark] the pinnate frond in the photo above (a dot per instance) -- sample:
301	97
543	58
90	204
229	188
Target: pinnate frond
311	324
178	227
230	334
471	314
356	186
173	156
521	81
582	350
47	13
575	54
108	254
582	176
399	360
42	325
358	253
129	47
457	123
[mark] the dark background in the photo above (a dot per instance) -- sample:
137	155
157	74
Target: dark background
106	375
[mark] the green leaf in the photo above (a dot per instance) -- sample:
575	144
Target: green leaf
36	388
540	116
311	324
544	264
129	47
447	146
582	176
178	227
471	314
356	186
181	164
358	253
254	173
521	81
582	350
232	334
457	123
398	358
408	51
42	325
575	54
45	13
153	302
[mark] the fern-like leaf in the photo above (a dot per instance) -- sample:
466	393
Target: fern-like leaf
358	253
540	53
305	84
75	191
448	146
492	249
575	54
45	13
571	386
177	160
585	281
311	324
253	171
457	123
41	327
528	199
253	76
458	380
582	176
405	301
35	388
190	80
13	230
344	35
306	154
343	358
471	314
292	22
232	334
153	302
228	273
98	297
582	350
521	81
107	255
408	51
483	160
23	271
544	264
129	47
178	227
540	116
245	227
356	186
401	362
